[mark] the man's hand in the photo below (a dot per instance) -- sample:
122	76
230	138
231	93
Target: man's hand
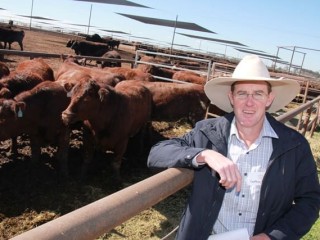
228	170
260	236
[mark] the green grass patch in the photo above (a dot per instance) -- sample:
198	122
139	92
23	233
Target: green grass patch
314	233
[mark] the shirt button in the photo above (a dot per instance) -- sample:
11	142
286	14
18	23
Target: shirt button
240	214
242	195
245	174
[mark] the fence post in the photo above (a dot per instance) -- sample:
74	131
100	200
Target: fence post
315	121
305	94
306	121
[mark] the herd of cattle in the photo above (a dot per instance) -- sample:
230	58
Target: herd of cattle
110	104
91	45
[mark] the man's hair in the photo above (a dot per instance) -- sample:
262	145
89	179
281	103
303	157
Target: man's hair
235	83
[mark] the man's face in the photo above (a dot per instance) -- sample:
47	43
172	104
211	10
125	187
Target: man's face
250	101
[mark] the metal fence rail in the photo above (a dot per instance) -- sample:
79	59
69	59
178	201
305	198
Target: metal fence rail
171	56
97	218
62	56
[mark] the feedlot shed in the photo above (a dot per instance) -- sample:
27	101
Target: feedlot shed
32	194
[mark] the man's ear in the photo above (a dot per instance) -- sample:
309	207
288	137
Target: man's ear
230	97
271	97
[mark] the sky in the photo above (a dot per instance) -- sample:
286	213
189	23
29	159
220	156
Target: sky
276	27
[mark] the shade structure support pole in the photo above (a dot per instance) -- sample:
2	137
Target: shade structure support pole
294	49
89	19
31	15
174	33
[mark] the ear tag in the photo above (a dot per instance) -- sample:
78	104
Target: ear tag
20	113
69	94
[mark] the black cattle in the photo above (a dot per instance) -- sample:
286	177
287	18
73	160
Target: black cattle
107	40
8	36
95	38
69	43
113	43
87	48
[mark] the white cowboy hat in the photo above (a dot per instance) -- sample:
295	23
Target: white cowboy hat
251	68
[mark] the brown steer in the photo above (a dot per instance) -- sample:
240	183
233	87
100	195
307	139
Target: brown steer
27	75
37	113
113	114
71	73
174	101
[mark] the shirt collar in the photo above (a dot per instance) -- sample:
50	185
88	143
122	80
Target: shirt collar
267	130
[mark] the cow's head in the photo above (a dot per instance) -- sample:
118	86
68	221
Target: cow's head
11	109
10	113
86	99
69	43
74	45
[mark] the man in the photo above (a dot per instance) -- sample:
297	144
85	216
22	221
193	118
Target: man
250	171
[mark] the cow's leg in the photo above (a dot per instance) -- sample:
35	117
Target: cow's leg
21	46
88	146
116	164
14	145
62	152
35	149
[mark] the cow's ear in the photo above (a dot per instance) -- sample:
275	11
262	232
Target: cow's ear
92	87
7	108
5	93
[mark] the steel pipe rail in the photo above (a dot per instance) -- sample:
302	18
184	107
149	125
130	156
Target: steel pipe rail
289	115
97	218
208	72
55	55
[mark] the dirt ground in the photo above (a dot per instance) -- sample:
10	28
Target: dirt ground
32	194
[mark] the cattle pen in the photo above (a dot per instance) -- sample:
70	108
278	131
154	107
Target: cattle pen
101	216
91	221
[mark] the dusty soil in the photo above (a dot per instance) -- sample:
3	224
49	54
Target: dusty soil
32	194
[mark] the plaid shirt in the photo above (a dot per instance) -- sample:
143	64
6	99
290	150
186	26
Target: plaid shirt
239	210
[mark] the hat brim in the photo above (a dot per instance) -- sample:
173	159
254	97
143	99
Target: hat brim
285	90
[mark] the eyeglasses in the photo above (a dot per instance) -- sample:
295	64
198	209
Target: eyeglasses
244	95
